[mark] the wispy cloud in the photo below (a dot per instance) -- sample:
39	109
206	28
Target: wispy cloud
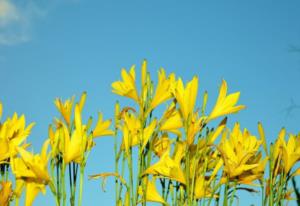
18	18
16	21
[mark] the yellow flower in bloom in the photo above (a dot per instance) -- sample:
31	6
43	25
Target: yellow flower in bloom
36	164
127	86
194	127
102	127
134	134
226	104
65	108
202	189
161	145
55	139
240	153
5	193
31	170
171	121
75	147
152	194
290	150
164	88
276	153
13	132
186	97
167	167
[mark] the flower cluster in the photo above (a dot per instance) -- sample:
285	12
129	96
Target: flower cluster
169	149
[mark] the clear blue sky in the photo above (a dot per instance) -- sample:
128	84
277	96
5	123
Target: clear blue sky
62	48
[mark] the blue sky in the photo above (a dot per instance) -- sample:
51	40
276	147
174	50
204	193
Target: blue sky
61	48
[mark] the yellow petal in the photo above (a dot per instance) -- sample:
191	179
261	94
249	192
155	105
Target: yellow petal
147	133
226	104
152	194
102	127
262	137
82	101
218	131
164	88
186	97
32	190
5	193
126	87
167	167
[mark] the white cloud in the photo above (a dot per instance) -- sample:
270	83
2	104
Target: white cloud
16	21
17	18
8	13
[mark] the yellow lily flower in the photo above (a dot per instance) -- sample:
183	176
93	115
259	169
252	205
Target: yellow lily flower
226	104
171	120
160	145
186	97
102	127
34	166
5	193
194	127
241	155
127	86
55	139
134	134
152	195
290	150
75	147
13	132
202	188
167	167
31	170
164	88
65	108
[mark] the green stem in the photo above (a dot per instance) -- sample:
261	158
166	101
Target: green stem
81	185
53	190
71	184
225	203
116	165
63	185
233	194
131	177
17	201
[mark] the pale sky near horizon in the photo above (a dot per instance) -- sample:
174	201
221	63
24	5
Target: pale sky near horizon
61	48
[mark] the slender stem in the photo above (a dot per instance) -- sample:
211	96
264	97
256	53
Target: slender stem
131	177
116	165
63	185
17	201
53	190
58	191
225	203
233	193
73	191
81	185
122	174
